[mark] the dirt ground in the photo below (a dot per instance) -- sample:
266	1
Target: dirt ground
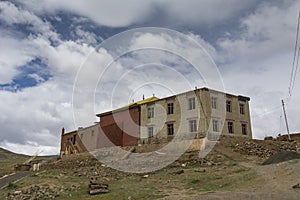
273	181
232	170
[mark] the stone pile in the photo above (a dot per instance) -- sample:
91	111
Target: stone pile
81	166
265	149
297	186
96	187
72	162
206	162
289	146
252	148
35	192
178	171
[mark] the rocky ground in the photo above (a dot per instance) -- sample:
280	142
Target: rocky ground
44	191
232	170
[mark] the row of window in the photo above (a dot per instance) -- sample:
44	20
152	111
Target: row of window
169	111
192	105
228	105
170	130
230	127
193	127
170	108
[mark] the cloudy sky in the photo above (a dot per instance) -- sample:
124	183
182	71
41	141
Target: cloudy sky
54	74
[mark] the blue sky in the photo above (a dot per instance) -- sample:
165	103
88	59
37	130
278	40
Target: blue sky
43	44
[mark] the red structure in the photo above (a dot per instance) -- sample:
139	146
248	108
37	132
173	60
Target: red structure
119	127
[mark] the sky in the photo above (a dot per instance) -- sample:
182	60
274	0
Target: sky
54	57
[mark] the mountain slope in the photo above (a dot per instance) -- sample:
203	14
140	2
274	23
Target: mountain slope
8	159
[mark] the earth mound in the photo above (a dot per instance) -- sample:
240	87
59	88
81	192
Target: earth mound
281	157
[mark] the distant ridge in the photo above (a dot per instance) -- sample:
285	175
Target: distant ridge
6	154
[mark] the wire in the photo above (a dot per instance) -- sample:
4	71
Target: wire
296	68
295	64
296	44
271	110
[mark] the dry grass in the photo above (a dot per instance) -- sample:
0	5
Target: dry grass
159	184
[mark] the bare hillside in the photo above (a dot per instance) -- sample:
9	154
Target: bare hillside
232	170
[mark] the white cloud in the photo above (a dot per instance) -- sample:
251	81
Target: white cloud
258	63
269	31
116	13
109	13
266	88
36	115
86	37
85	85
11	15
255	64
30	148
12	55
195	12
63	59
188	47
16	50
36	77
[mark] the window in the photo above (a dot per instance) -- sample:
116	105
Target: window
228	106
74	139
193	125
81	135
170	108
150	132
214	102
244	128
92	133
215	125
150	112
70	140
230	127
242	108
170	129
192	103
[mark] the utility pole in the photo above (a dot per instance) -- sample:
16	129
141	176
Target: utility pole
286	122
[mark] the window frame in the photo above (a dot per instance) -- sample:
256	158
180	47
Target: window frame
215	125
193	125
192	103
150	132
150	112
170	129
230	127
242	108
244	128
170	108
214	102
228	106
74	139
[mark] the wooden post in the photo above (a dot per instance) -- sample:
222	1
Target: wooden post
286	122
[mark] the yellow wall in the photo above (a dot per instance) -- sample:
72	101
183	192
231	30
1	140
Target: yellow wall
203	113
